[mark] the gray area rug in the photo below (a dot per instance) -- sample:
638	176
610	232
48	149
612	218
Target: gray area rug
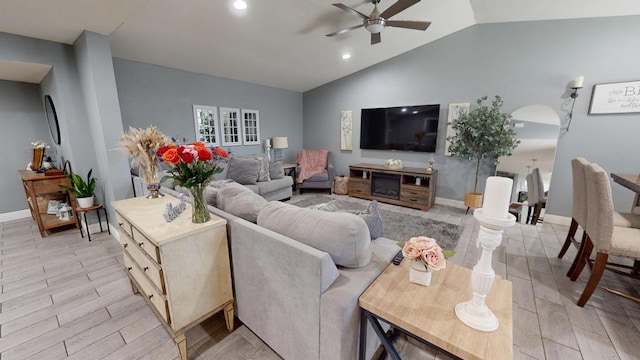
399	226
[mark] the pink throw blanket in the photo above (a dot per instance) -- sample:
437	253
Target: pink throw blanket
312	162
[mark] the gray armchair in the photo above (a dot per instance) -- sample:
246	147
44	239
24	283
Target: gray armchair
320	181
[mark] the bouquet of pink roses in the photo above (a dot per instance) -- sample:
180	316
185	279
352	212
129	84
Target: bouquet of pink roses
426	250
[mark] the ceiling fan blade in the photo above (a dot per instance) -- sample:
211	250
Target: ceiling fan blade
353	11
375	38
345	30
399	6
415	25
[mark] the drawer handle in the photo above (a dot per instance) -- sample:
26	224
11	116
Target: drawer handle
125	245
150	296
129	268
141	244
146	268
120	224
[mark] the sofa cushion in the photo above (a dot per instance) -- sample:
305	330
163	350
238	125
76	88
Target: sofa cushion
318	177
211	191
274	185
345	237
253	188
244	170
225	171
241	202
370	215
275	170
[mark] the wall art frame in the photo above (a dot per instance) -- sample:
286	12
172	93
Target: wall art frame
346	130
250	127
206	124
455	110
615	98
230	125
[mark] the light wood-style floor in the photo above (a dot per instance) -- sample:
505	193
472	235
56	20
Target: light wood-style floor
64	297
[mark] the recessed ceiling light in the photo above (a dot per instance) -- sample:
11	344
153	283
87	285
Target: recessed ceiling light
346	56
404	109
240	4
415	111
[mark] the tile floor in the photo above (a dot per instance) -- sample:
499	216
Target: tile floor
66	298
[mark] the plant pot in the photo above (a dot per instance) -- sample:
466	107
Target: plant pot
418	273
473	200
85	202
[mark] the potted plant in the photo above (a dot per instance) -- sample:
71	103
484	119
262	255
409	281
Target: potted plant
83	191
484	132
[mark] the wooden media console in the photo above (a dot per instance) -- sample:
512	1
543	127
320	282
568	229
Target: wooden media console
410	187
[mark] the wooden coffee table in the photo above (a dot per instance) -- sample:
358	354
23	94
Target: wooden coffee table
427	313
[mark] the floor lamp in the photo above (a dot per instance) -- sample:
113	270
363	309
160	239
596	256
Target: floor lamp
279	143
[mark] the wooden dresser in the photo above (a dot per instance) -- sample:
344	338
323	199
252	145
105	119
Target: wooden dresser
410	187
181	268
37	185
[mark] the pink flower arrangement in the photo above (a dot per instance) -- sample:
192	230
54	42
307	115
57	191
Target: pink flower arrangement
426	250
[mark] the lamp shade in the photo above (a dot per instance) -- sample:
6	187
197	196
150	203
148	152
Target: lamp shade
280	142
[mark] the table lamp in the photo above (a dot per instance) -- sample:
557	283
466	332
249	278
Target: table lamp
279	143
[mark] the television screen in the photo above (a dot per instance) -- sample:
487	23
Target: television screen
408	128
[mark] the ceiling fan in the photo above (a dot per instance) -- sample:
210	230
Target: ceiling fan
376	21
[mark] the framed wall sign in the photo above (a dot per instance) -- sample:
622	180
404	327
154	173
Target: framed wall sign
455	110
615	98
250	127
206	121
230	122
346	130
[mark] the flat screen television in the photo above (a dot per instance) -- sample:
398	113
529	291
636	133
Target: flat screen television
407	128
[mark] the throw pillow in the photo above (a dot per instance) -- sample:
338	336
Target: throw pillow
370	215
244	170
263	175
241	202
344	237
275	170
211	191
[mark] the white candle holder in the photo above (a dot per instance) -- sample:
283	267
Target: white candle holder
475	313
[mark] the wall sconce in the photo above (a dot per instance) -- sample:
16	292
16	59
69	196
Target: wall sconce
577	84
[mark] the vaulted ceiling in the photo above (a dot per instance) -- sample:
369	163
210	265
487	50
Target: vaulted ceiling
279	43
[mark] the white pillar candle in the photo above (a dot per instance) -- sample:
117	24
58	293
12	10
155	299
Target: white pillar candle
497	194
577	83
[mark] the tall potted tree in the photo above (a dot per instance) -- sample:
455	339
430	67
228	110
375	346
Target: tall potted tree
484	132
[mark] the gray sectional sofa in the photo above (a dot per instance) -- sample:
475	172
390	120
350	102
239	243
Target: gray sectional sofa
294	296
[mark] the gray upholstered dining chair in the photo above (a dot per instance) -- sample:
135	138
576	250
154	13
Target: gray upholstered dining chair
607	238
532	196
541	203
579	206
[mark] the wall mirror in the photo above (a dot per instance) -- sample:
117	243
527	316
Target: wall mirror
538	128
52	119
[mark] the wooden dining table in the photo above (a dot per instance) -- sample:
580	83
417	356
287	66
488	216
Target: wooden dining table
630	181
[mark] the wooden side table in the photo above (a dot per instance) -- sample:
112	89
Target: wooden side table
291	170
427	314
97	209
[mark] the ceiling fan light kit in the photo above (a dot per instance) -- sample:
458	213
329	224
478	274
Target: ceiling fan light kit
376	21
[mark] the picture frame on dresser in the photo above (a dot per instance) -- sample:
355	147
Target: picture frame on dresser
206	124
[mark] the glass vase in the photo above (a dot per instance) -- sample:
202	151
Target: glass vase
150	175
200	213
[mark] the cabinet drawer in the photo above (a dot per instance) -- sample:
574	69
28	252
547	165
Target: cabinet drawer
123	225
148	266
146	288
47	186
146	245
415	193
413	199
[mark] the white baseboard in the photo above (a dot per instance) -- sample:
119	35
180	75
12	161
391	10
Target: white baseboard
15	215
557	219
450	202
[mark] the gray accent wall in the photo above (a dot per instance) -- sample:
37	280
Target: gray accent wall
525	63
23	121
151	94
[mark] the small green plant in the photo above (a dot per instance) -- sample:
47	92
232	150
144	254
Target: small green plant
485	132
81	189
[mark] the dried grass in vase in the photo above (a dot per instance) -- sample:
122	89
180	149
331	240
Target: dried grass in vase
141	146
